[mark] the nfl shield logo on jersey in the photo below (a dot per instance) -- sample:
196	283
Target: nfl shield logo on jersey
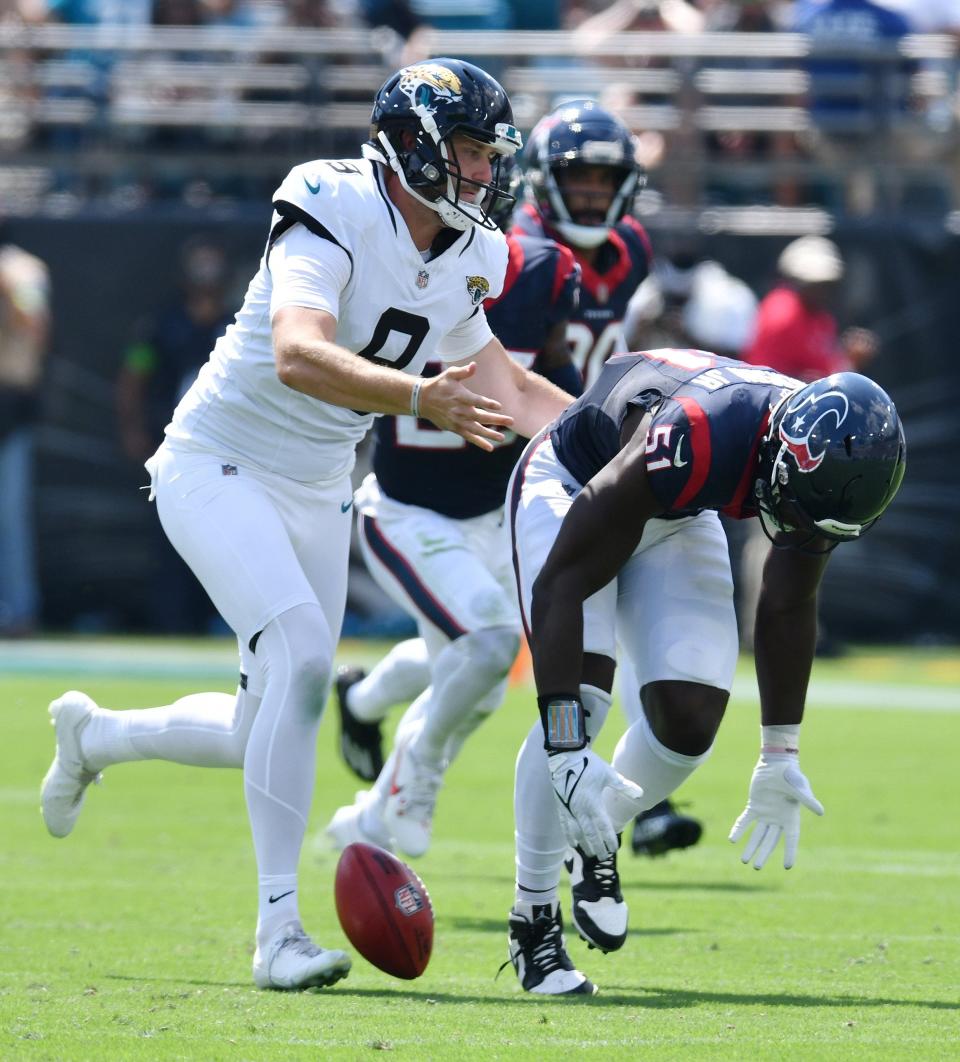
423	278
478	288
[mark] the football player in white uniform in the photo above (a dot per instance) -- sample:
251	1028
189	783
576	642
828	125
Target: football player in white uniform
372	266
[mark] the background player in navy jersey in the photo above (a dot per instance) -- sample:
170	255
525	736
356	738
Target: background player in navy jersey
431	529
614	519
583	176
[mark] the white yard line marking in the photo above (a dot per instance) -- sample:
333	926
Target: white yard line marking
855	693
218	659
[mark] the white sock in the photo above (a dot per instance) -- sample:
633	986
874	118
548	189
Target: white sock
628	688
277	904
371	819
539	838
464	673
640	757
398	678
461	732
596	706
409	726
524	899
596	703
540	843
295	652
202	730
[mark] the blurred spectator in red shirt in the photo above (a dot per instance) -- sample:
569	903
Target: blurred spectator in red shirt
796	331
796	334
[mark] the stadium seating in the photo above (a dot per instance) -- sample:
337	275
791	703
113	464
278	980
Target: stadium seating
307	92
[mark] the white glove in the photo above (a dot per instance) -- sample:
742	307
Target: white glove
579	779
777	790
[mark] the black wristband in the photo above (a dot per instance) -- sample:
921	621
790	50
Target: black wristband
564	723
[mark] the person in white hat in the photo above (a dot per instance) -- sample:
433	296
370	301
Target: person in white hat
796	334
796	331
811	260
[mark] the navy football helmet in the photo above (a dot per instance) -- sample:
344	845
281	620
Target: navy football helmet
833	458
431	101
509	186
581	133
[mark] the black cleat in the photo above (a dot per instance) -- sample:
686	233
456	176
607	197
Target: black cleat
598	910
361	744
538	953
657	831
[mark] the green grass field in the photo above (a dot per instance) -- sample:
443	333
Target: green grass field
132	939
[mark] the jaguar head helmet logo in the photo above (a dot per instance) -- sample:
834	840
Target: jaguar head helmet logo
428	84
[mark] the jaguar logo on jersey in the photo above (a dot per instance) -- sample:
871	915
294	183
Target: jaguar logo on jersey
408	899
800	423
423	279
478	288
428	84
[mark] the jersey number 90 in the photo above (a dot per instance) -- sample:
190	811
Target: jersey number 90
588	352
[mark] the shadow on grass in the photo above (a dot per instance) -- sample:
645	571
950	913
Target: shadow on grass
627	882
695	886
653	998
650	998
670	998
499	926
195	981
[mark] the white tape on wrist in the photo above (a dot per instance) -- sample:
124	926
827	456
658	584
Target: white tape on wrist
415	397
781	739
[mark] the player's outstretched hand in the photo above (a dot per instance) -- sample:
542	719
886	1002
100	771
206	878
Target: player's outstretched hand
448	403
777	790
579	779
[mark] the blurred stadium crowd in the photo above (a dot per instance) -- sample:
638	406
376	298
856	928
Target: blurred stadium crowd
141	141
832	102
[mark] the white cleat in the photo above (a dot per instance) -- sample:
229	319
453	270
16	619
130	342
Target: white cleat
346	826
408	813
537	951
598	909
65	784
291	961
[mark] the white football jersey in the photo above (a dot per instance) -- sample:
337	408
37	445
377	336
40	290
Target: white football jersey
337	243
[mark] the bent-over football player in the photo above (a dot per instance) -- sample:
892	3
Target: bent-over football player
614	518
582	178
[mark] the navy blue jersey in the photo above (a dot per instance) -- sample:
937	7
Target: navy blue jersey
596	329
709	417
172	350
417	463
